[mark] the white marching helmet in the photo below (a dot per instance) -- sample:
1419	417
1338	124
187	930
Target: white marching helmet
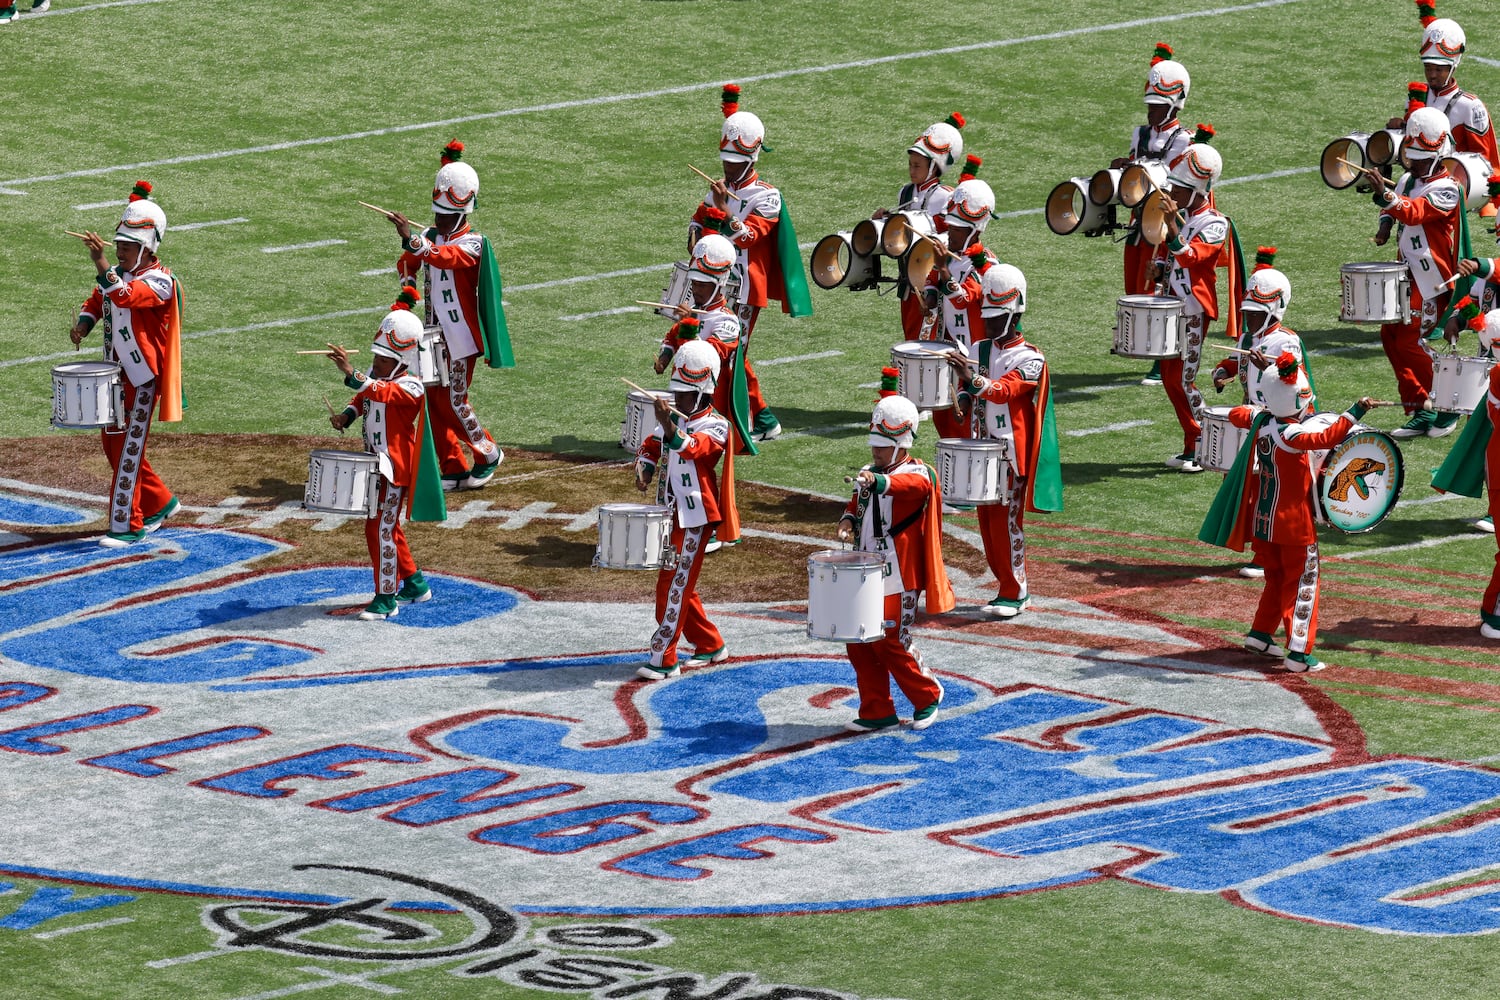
143	222
456	188
1283	399
695	368
1489	337
1443	42
942	143
1427	135
1198	169
894	422
1269	291
1004	291
971	204
741	139
400	331
1168	82
713	259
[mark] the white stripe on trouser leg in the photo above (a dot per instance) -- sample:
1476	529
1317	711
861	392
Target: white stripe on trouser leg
390	515
671	617
132	456
1302	610
908	615
1192	356
458	398
1017	544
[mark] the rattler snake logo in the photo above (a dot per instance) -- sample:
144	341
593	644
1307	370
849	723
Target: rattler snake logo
1352	477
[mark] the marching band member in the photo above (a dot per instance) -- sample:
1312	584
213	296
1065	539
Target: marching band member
768	264
1161	138
141	305
1267	294
927	160
1198	243
464	297
1428	204
1489	608
953	295
711	320
1007	392
1269	504
390	399
686	449
1442	49
895	511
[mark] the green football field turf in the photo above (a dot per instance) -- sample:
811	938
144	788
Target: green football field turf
263	124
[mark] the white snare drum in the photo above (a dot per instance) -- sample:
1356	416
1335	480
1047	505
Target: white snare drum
343	482
1459	384
975	471
640	418
87	394
676	291
1375	292
1220	441
634	536
431	365
925	378
1148	326
846	596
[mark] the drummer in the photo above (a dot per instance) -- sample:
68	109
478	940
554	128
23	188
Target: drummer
1270	505
390	399
1267	295
895	512
710	319
141	304
953	293
1006	391
1162	138
1489	608
927	159
1197	242
1443	46
754	209
687	447
464	289
1428	204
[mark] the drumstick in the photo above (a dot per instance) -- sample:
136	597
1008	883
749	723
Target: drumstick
1450	282
1385	402
325	351
700	173
946	354
1231	350
637	388
330	411
81	236
663	305
377	208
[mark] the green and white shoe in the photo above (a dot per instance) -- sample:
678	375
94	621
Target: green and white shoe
40	6
1302	663
1005	607
1420	423
872	725
1485	524
710	655
765	427
116	540
384	606
155	520
651	672
415	590
7	14
482	473
455	481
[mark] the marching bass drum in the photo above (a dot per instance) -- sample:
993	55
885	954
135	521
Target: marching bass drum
87	394
1375	292
1359	482
1148	327
846	596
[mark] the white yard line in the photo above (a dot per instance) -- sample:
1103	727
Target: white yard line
622	310
186	227
100	204
688	88
1426	543
49	935
1109	428
798	357
304	246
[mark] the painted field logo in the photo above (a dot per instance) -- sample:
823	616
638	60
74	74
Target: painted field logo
172	717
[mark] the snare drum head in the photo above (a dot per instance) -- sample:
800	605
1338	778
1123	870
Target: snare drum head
844	558
628	509
86	369
1361	480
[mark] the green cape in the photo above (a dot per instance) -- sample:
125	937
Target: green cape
496	335
427	502
1462	472
797	301
1221	527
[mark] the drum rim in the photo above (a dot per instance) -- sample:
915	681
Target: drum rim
845	557
364	456
631	506
82	367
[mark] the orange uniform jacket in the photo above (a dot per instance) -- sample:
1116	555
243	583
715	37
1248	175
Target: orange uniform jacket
1281	506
